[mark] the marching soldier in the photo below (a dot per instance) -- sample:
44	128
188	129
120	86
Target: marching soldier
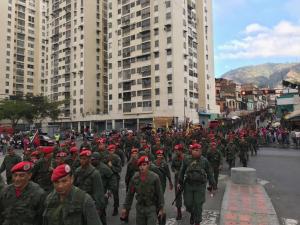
231	151
214	157
175	166
243	151
132	166
9	161
68	204
22	201
41	172
193	175
146	185
114	163
88	179
164	170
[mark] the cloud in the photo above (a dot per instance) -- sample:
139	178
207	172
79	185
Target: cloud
258	41
255	27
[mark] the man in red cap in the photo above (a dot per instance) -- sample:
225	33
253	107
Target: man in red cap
146	185
175	166
193	175
88	179
42	170
132	166
164	169
114	162
67	204
22	201
73	158
214	157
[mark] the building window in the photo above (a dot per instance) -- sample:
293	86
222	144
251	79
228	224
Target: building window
169	64
170	90
157	103
156	66
157	79
170	102
157	91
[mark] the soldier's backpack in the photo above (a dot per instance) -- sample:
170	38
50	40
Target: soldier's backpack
195	172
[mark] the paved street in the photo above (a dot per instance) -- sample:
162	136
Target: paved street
279	170
211	208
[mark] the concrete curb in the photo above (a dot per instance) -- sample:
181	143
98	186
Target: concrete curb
259	212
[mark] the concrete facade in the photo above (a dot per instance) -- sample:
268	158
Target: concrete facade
157	50
22	46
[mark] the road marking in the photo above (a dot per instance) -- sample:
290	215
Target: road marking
289	221
209	217
262	182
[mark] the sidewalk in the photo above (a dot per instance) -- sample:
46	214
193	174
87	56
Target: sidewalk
247	205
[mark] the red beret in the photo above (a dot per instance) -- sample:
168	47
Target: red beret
35	153
86	153
22	167
146	146
134	150
47	149
178	147
74	149
61	154
159	152
111	147
195	146
60	172
63	145
143	159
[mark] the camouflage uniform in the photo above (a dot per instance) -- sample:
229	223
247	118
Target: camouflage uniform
89	180
215	160
8	162
164	173
175	166
193	177
149	198
77	209
26	209
41	174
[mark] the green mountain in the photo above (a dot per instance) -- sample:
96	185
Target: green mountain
265	75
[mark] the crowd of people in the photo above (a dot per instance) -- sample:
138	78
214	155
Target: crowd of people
70	184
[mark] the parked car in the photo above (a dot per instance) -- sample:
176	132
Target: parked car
46	141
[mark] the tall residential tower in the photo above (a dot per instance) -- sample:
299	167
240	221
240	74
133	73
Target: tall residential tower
160	56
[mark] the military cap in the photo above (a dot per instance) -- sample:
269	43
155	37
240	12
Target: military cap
111	147
195	146
60	172
22	167
86	153
143	159
47	149
159	152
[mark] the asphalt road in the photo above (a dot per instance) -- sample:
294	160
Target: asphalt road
279	171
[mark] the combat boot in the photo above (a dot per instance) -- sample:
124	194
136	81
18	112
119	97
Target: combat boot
192	221
179	214
115	212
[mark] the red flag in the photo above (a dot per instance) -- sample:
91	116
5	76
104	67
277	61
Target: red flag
35	139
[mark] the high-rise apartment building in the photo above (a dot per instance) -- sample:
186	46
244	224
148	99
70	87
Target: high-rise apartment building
22	46
160	56
76	65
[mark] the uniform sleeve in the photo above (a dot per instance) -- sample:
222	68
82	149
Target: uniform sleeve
182	172
98	190
130	194
160	195
117	165
209	172
168	173
3	166
90	213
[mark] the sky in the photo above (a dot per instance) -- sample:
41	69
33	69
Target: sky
250	32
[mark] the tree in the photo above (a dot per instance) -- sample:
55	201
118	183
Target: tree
30	108
14	110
